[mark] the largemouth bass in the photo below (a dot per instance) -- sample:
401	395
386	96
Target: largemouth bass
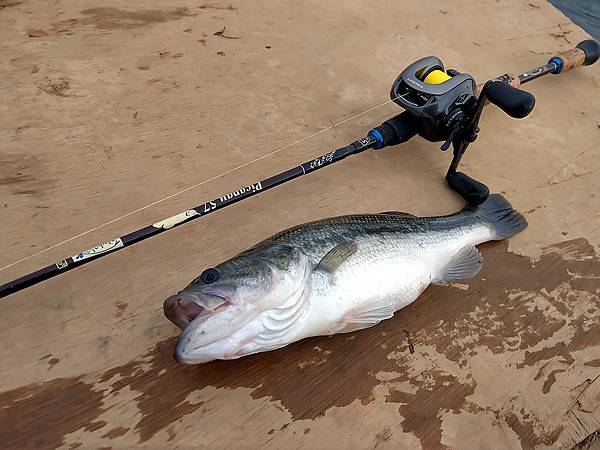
332	276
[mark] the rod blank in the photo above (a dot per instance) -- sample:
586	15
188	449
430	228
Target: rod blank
242	193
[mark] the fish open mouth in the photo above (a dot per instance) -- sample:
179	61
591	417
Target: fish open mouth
185	307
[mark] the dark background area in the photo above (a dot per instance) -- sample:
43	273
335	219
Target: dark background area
585	13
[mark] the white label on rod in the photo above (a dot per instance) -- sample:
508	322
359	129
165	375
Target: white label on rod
99	249
176	219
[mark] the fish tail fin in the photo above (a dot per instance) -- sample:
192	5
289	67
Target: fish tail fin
500	215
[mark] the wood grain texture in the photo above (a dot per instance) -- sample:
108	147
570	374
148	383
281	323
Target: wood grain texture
108	107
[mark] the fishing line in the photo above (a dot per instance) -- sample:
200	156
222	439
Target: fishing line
444	106
194	186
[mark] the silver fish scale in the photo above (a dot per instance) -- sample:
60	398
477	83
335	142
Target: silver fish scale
315	239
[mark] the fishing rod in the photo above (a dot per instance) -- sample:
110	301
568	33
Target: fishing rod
440	105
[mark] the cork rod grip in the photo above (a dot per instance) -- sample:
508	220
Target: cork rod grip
585	53
571	59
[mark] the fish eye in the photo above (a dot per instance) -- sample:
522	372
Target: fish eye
210	275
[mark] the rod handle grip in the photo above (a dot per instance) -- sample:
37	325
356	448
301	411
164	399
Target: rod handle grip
394	131
585	53
515	102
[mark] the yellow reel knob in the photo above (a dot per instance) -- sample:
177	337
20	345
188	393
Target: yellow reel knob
436	77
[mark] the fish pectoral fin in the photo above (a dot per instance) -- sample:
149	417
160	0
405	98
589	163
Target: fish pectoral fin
365	317
336	256
398	213
466	263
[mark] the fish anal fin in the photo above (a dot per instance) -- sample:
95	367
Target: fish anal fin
365	316
335	257
466	263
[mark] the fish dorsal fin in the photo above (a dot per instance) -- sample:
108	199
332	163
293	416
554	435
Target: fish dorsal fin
466	263
336	256
397	213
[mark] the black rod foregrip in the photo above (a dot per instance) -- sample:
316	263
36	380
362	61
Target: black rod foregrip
179	219
394	131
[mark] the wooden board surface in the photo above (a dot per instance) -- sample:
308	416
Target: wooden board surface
106	107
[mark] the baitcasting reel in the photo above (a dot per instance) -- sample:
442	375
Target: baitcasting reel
445	106
437	100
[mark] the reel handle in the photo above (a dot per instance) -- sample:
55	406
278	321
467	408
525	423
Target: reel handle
515	102
472	191
585	53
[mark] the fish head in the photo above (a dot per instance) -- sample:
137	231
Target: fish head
222	310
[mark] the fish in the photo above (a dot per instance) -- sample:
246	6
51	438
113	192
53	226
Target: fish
335	275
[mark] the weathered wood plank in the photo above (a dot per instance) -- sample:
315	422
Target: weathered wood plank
109	107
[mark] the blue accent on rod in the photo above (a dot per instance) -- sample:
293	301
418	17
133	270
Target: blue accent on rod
377	135
559	64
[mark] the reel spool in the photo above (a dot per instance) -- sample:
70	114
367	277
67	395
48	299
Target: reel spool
438	100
